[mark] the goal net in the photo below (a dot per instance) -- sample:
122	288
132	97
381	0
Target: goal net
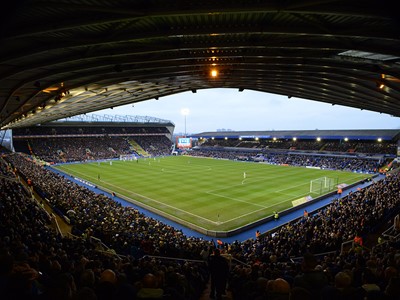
127	157
323	185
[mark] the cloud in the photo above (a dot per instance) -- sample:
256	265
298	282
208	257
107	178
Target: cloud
249	110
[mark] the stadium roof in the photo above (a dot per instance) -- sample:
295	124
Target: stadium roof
111	119
61	58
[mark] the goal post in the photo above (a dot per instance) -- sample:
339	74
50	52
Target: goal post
323	185
127	157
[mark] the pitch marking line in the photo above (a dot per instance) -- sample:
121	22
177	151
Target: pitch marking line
208	220
289	188
237	200
210	192
249	180
178	172
255	211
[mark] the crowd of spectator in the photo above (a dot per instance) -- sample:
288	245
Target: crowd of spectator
155	145
345	163
365	147
36	263
78	149
70	149
269	271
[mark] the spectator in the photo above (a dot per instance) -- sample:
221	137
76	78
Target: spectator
60	260
219	270
149	288
311	279
372	290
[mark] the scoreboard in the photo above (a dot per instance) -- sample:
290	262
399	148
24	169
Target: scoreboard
183	142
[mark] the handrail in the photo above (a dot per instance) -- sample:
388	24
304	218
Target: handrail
111	252
240	262
70	235
54	219
386	232
9	178
294	259
175	258
108	250
99	241
344	244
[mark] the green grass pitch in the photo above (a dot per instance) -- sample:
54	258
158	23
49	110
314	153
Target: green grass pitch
209	193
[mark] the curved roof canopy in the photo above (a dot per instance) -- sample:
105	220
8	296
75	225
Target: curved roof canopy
60	58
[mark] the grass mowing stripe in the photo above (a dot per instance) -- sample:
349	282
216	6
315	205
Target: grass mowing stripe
197	190
153	200
237	200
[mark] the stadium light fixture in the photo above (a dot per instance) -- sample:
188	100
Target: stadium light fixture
185	112
318	139
346	139
379	140
226	138
214	73
274	139
380	85
295	139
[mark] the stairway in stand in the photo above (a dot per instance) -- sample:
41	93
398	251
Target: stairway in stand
206	293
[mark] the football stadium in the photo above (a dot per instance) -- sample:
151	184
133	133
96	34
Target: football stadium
100	206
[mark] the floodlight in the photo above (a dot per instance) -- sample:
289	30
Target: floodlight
185	111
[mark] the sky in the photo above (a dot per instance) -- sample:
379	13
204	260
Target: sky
214	109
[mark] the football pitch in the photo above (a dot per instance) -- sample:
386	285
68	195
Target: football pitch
211	194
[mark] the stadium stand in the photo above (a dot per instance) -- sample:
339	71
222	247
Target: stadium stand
348	163
37	263
365	147
116	252
69	141
53	65
365	151
271	257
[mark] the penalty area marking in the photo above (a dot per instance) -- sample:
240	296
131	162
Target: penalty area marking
289	188
237	200
255	211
